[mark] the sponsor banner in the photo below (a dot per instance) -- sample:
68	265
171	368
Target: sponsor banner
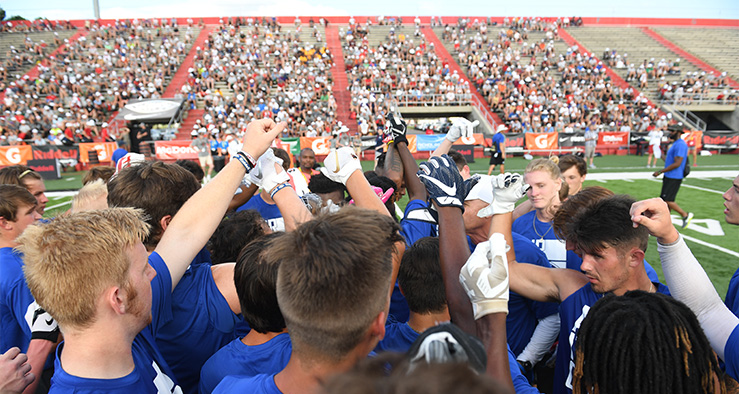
720	139
637	136
322	145
468	151
285	145
12	155
61	152
103	149
567	140
541	141
425	142
514	142
693	139
175	150
47	168
613	138
293	145
368	142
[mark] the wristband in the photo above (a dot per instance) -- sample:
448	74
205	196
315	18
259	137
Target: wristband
244	162
248	158
278	188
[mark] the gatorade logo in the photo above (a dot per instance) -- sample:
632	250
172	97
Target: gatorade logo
541	141
321	146
13	155
102	154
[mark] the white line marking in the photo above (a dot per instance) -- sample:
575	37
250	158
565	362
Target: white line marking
710	245
701	188
59	205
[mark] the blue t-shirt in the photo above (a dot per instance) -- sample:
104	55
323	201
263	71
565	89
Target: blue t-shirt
236	358
269	212
732	295
498	139
679	148
542	235
572	311
524	314
151	371
260	384
117	154
17	305
731	354
200	315
398	337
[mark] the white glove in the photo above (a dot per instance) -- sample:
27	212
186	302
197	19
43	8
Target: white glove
340	164
461	127
485	277
507	189
265	174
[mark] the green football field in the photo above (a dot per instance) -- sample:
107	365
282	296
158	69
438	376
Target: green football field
714	242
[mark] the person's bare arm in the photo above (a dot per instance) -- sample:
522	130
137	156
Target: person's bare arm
414	186
491	330
532	281
190	228
453	253
293	211
241	198
37	352
443	148
393	165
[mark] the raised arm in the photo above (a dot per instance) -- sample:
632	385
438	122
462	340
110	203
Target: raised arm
193	225
393	168
460	127
270	176
685	276
531	281
447	190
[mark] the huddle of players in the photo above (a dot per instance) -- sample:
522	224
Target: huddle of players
316	298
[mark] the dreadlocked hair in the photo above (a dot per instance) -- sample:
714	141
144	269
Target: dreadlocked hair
644	343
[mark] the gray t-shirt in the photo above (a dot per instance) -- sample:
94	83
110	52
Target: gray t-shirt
202	145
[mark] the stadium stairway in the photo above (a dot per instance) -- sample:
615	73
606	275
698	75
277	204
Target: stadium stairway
479	102
181	75
615	78
186	127
684	54
34	72
341	82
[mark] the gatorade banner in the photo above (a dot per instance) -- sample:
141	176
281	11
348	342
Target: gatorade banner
104	151
613	138
322	145
694	139
175	150
541	141
12	155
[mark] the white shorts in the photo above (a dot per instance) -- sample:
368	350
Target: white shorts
656	151
206	161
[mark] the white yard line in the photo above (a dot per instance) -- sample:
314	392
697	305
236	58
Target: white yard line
59	205
710	245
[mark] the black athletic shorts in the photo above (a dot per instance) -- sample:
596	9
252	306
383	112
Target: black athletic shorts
497	158
670	187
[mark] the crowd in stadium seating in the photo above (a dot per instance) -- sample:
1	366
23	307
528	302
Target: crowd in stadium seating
257	70
695	87
539	89
402	70
76	92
